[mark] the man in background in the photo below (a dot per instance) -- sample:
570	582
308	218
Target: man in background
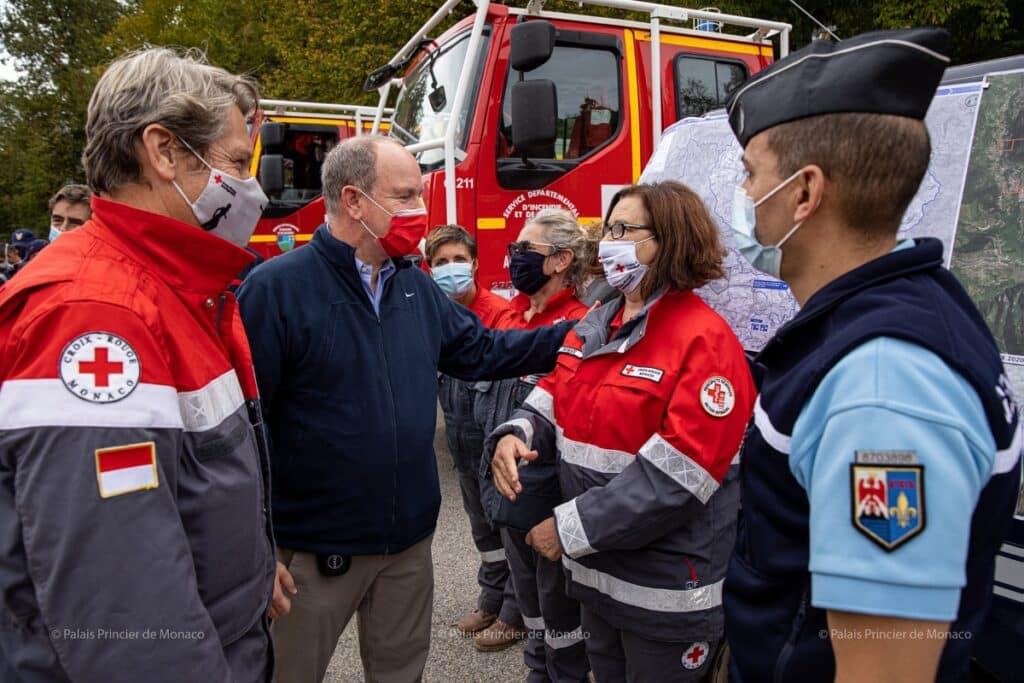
69	209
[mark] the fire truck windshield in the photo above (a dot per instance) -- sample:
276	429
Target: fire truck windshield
418	116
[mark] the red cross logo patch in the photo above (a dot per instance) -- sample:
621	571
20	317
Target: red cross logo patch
217	179
717	396
99	367
695	655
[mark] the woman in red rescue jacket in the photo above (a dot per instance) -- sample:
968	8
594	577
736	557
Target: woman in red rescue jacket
646	408
549	265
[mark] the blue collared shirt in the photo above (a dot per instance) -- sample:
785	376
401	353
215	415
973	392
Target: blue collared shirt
366	274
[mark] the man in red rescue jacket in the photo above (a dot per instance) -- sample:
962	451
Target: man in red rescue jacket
135	542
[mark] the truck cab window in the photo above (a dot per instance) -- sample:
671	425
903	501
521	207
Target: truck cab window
305	147
589	104
417	119
703	84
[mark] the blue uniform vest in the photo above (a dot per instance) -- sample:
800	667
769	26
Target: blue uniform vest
906	294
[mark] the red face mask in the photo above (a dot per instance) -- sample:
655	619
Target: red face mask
408	227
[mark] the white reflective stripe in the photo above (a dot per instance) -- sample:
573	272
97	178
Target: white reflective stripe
653	599
26	403
769	433
1012	550
591	457
527	428
1009	593
205	408
570	530
560	640
534	623
1010	572
47	403
735	459
493	555
1006	459
673	462
543	403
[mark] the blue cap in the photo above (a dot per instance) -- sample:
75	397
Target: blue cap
881	72
22	237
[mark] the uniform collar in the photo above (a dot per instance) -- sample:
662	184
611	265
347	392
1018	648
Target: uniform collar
342	255
521	302
926	254
593	329
182	255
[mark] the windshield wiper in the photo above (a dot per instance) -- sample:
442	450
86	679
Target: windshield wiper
409	137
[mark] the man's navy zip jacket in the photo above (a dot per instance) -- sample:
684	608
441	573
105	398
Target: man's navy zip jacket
350	398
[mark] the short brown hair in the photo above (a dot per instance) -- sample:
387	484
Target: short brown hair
73	193
876	162
448	234
690	251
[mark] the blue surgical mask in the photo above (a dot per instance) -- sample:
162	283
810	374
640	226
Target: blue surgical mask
767	259
54	233
454	279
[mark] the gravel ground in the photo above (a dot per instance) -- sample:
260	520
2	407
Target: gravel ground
452	657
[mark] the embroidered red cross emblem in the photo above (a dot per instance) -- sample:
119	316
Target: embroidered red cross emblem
717	394
217	179
101	367
695	654
619	268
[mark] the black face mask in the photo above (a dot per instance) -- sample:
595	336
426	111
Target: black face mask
527	271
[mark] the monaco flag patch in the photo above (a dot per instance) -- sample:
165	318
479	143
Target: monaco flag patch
123	469
99	367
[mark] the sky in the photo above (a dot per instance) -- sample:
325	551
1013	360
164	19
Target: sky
7	72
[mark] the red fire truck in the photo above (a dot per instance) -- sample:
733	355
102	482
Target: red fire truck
514	109
291	138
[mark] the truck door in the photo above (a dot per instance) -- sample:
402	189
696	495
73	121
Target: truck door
591	153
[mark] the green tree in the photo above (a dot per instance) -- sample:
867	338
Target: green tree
229	36
58	45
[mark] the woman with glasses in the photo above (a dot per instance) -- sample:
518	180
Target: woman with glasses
550	265
646	410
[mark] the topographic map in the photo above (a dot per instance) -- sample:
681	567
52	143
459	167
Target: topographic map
988	256
703	154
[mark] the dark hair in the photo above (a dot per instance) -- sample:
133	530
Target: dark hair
875	161
75	194
690	251
448	234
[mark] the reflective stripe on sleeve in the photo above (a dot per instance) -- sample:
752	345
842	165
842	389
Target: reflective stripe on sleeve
684	471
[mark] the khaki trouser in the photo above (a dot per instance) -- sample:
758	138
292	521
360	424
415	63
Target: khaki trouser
393	594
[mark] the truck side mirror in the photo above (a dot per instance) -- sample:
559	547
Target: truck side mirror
534	117
379	77
531	44
272	136
271	174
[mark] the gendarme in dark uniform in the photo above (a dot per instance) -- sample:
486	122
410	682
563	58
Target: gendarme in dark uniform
879	475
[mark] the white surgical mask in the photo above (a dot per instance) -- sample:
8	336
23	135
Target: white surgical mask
228	206
622	270
767	259
54	233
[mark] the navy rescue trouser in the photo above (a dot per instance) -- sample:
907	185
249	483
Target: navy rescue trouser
616	655
554	648
465	443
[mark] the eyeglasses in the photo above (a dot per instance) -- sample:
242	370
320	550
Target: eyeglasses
618	230
526	246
